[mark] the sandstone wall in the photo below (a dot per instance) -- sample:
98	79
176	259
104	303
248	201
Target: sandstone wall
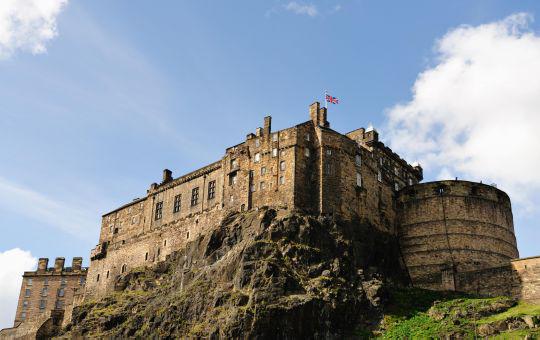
454	224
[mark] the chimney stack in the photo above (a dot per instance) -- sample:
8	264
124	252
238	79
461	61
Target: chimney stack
167	176
76	264
59	264
42	264
267	125
318	115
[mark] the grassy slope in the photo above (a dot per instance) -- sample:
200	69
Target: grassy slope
408	315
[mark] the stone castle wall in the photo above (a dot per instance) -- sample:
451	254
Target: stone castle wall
454	224
308	166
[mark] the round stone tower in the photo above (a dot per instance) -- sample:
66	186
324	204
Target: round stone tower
448	227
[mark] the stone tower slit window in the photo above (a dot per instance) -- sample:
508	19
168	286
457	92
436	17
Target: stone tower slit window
211	190
358	179
146	256
159	210
232	178
379	176
107	275
97	278
194	196
177	203
123	268
307	152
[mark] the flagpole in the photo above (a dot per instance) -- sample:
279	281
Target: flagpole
325	101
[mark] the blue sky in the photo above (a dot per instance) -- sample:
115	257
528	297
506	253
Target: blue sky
127	88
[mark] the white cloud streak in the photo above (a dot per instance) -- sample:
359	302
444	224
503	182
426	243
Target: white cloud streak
13	263
41	208
27	25
476	112
302	9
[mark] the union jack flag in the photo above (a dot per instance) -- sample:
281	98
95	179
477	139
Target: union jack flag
330	99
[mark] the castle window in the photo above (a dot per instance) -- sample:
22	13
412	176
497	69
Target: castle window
23	315
187	235
381	160
328	168
123	268
82	281
308	137
282	165
281	180
27	292
232	178
44	291
274	152
257	142
60	292
211	190
329	152
252	187
29	281
46	281
146	256
194	196
59	304
282	153
165	243
25	304
257	157
234	164
97	278
158	251
358	160
358	179
133	220
379	176
231	198
63	281
306	152
396	186
115	231
410	181
396	170
159	210
107	276
42	304
262	185
263	170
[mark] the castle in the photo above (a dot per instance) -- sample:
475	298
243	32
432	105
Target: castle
454	235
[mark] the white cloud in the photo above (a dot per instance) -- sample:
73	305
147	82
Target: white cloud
39	207
27	25
476	112
13	263
301	8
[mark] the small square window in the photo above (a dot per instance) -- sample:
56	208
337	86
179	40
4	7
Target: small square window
329	152
262	185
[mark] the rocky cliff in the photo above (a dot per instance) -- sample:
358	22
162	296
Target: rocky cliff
259	274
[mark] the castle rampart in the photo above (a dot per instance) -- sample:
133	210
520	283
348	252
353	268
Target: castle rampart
454	227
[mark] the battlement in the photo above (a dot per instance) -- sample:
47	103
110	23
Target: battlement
58	269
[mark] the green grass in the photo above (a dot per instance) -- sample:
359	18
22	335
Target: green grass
520	309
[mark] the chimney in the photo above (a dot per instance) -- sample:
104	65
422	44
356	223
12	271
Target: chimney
167	176
59	264
314	113
76	264
42	265
258	132
318	115
267	125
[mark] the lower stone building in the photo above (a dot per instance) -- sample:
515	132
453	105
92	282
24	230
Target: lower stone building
47	294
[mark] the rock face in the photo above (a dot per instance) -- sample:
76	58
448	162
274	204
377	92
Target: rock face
260	274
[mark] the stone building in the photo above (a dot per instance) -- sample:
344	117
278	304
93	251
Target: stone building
49	290
307	167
